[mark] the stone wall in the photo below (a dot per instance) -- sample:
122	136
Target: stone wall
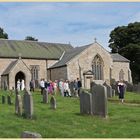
117	66
57	74
85	61
4	62
51	62
23	67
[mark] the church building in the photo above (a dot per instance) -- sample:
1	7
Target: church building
26	60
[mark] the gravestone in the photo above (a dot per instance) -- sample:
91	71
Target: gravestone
3	99
28	104
99	100
113	92
45	96
129	86
28	134
53	102
138	88
18	105
85	103
9	100
16	91
109	90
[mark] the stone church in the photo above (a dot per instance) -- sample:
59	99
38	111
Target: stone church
35	60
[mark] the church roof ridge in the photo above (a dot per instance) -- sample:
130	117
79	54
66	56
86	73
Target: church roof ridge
32	49
119	58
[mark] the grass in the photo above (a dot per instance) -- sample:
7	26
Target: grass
123	120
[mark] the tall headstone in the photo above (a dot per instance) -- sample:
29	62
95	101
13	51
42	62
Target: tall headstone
85	103
28	104
18	105
109	90
53	102
45	96
138	88
9	100
113	92
3	99
99	100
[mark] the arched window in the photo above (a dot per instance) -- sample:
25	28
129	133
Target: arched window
121	75
97	68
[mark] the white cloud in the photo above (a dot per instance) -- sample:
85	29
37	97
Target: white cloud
78	23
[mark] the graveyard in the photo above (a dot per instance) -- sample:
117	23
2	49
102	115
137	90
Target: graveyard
66	121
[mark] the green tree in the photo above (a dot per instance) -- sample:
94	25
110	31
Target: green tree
3	34
126	41
31	38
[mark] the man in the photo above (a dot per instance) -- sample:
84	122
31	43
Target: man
32	85
79	85
42	85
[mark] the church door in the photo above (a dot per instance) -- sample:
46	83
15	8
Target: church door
19	76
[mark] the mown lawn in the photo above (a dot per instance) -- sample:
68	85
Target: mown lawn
123	120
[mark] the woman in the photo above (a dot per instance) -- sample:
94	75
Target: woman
121	90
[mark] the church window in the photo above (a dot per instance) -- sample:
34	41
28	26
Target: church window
97	68
34	72
121	75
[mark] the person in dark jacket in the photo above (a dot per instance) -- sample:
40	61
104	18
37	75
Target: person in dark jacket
79	85
32	85
121	90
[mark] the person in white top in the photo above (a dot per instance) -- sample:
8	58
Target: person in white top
42	85
66	89
18	85
22	85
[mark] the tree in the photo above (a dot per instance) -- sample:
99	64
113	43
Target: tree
126	41
3	34
31	38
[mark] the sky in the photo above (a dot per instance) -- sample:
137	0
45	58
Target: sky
77	23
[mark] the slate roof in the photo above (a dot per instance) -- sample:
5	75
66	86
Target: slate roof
118	58
69	55
31	49
10	66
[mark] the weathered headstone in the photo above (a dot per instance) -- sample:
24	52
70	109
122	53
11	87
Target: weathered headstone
109	90
129	86
3	99
138	88
28	104
53	102
113	92
99	100
9	100
45	96
28	134
85	103
18	105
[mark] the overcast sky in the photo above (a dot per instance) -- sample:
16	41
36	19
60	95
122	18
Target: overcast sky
77	23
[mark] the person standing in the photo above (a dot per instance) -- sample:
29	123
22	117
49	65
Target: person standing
42	85
22	84
121	90
32	85
18	85
79	85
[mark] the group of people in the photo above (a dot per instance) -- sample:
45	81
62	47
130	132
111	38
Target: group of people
67	88
20	84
